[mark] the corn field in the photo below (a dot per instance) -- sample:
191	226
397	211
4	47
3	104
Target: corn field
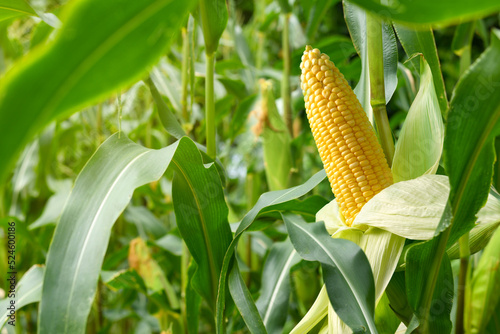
249	166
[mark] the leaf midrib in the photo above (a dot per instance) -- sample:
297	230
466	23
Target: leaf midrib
206	237
16	10
478	148
92	224
277	286
69	82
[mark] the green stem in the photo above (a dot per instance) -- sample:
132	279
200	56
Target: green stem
210	105
285	81
184	74
377	88
463	242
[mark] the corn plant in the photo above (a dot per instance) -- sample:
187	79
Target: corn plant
200	166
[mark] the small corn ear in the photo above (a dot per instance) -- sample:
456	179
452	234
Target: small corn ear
352	157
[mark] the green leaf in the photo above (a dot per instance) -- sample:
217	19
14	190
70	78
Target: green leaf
201	213
429	11
420	142
28	290
356	23
14	8
167	117
422	41
214	16
275	291
54	207
285	6
398	301
385	319
93	56
346	272
483	295
171	243
241	114
146	222
193	301
265	200
244	302
472	125
316	14
463	37
101	192
419	258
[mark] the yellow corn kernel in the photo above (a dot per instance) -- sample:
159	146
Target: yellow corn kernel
347	144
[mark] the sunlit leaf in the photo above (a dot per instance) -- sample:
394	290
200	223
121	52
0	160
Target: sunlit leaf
27	291
93	55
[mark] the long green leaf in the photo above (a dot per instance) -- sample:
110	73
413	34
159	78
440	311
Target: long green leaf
472	125
265	200
101	192
201	213
316	14
28	290
14	8
346	272
430	11
275	291
422	41
167	117
244	302
437	318
93	55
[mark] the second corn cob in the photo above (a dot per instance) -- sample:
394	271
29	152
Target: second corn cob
352	157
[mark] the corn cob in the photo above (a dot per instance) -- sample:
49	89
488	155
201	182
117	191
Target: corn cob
352	157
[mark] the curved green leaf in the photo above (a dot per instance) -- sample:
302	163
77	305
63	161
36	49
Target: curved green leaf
275	290
430	11
422	41
472	125
346	271
201	213
437	318
93	55
101	192
14	8
244	302
28	291
265	200
167	117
